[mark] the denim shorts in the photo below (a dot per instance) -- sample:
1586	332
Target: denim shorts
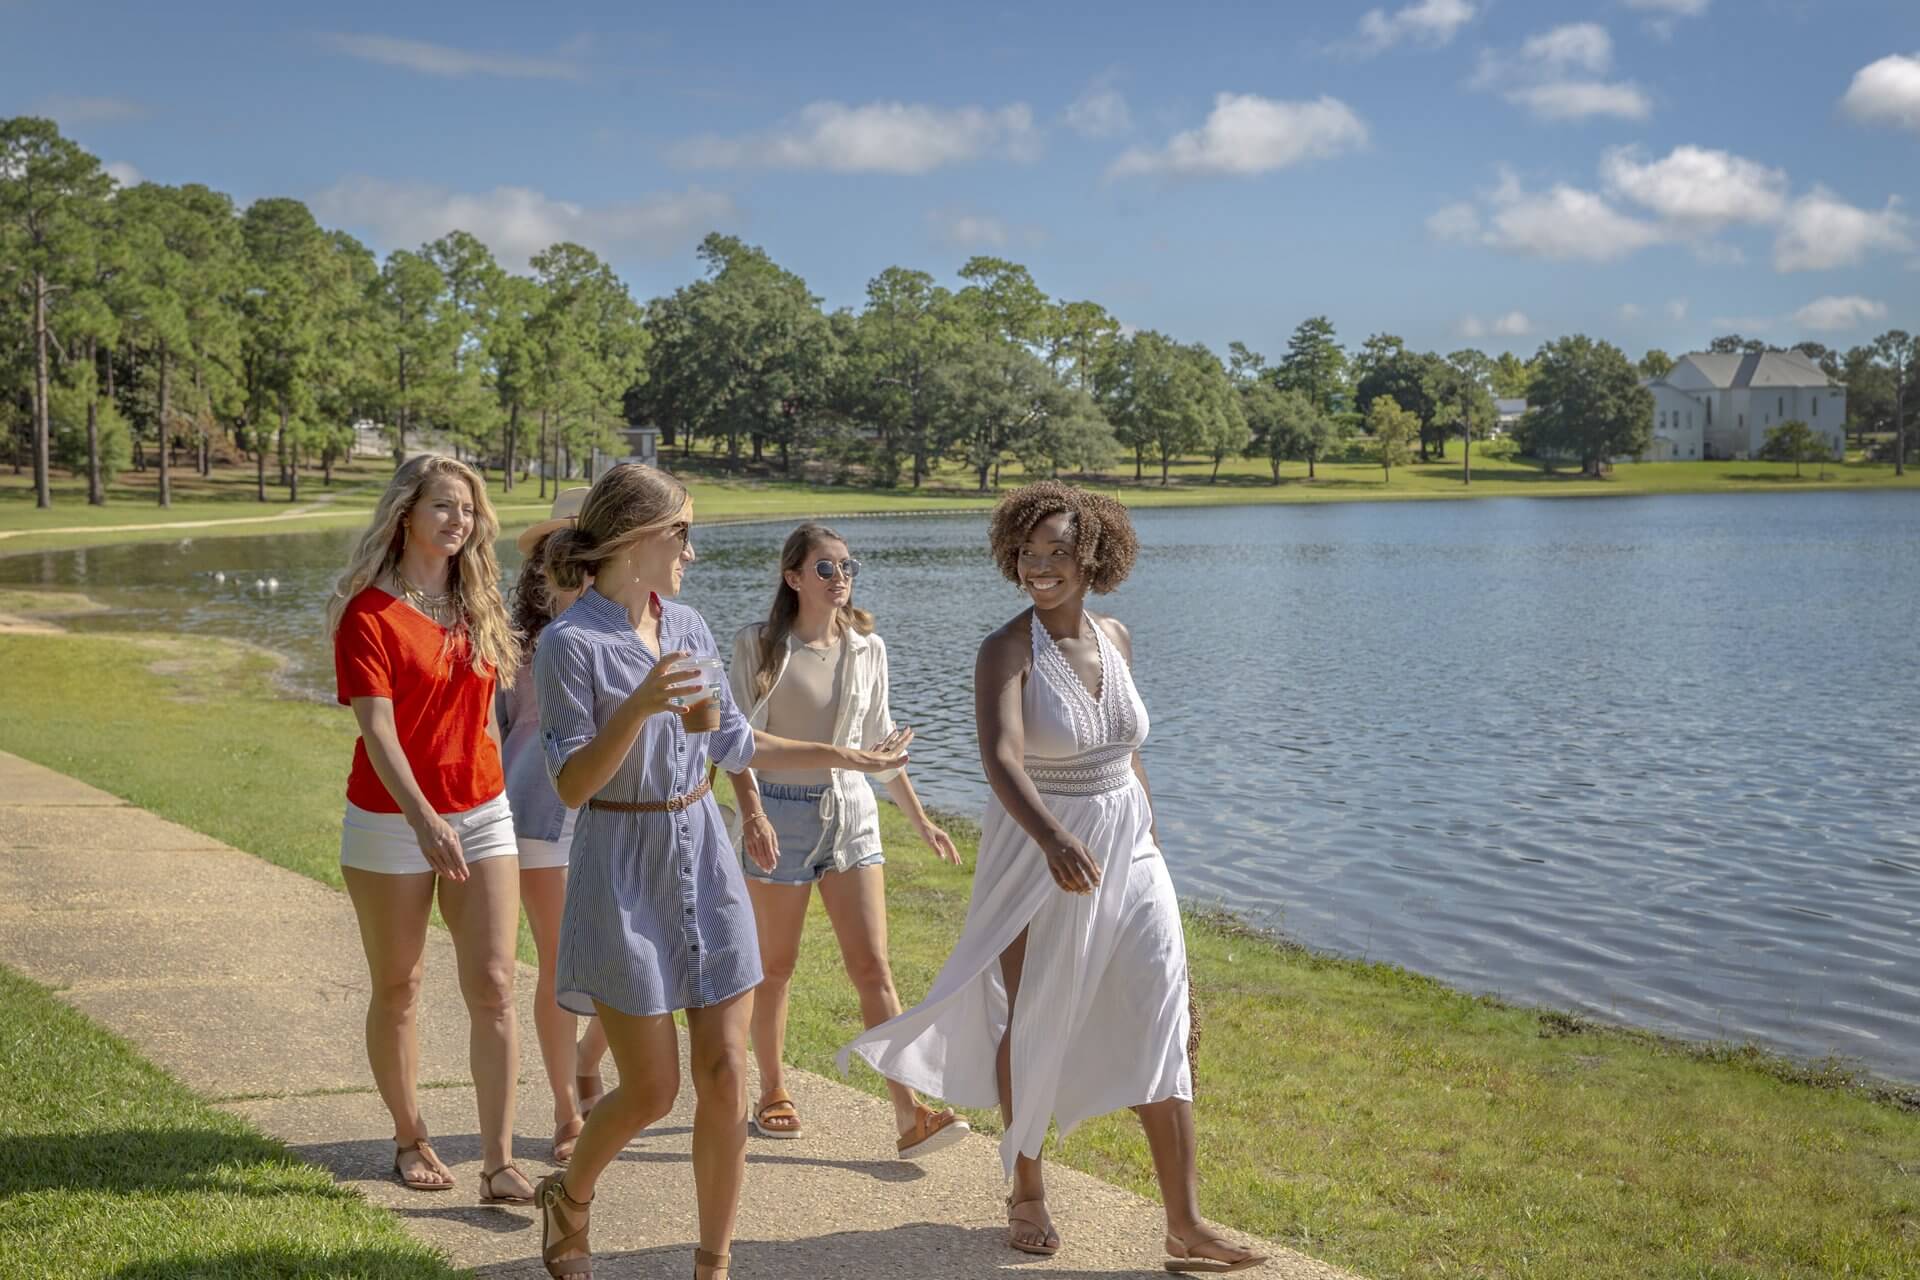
806	842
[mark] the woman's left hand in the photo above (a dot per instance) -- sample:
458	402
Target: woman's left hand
941	843
889	753
763	846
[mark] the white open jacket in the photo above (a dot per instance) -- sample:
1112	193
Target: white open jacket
848	810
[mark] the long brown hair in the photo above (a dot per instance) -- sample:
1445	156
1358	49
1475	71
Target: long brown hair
532	601
473	574
625	504
786	604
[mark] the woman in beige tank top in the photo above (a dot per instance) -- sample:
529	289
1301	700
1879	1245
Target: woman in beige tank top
815	670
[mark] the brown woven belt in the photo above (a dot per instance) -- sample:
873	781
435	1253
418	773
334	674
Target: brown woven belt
674	805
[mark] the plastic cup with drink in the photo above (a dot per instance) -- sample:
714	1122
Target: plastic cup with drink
703	704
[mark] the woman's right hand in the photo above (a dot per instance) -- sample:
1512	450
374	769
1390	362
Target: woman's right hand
664	683
1072	866
889	753
441	845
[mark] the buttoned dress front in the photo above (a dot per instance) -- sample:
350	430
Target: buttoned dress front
657	916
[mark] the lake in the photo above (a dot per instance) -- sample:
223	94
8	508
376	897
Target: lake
1649	759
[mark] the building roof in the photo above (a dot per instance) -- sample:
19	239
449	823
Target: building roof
1758	369
1509	408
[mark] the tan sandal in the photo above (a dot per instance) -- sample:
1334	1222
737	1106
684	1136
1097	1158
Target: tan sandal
557	1212
931	1131
777	1107
1021	1214
431	1181
489	1196
1182	1259
565	1138
712	1262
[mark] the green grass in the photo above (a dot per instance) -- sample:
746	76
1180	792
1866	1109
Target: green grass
227	497
111	1168
1359	1112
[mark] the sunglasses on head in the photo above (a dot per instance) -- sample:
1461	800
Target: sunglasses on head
827	568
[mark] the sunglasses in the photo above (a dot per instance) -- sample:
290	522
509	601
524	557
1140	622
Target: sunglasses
827	568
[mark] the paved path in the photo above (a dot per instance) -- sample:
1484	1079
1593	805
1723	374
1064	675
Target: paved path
246	980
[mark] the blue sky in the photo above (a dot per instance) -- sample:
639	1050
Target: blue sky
1486	172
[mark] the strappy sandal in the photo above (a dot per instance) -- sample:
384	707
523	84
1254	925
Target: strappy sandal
420	1182
1018	1213
557	1209
1181	1258
590	1089
931	1130
564	1141
489	1196
712	1262
778	1106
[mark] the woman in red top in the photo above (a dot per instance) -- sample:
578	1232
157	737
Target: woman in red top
420	636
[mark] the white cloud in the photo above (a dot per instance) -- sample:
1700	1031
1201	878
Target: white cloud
1677	309
1697	188
1629	312
1514	324
962	229
1886	92
1471	327
445	60
1673	8
1429	22
1836	315
1247	134
1582	100
518	222
875	137
1584	46
69	110
1821	231
1562	223
1099	113
123	173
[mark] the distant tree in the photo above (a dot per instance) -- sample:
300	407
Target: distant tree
1587	402
1223	421
1870	393
1512	376
1796	442
1315	365
1821	354
1003	301
1393	430
1656	364
1464	401
1386	367
1286	425
1897	352
1732	344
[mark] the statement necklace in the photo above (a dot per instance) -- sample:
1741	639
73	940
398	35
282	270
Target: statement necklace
444	607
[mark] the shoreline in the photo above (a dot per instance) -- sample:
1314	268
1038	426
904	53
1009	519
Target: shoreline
1214	915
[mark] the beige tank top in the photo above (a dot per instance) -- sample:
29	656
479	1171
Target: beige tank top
805	706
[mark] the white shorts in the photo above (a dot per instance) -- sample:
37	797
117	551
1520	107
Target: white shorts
384	843
541	855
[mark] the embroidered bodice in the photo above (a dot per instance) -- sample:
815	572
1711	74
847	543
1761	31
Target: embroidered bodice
1078	743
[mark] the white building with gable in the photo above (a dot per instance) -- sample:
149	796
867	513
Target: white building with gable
1722	406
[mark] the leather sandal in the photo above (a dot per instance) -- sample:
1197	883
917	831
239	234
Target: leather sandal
1022	1213
1181	1258
931	1130
778	1106
712	1262
560	1211
565	1138
489	1196
428	1180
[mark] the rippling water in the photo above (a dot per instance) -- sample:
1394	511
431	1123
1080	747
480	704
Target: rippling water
1647	758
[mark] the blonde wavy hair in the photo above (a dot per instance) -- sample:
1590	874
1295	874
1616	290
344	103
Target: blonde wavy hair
484	632
628	502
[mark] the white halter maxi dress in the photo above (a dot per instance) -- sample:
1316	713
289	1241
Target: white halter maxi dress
1102	1017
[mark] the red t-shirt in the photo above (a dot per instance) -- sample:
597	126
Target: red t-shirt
386	648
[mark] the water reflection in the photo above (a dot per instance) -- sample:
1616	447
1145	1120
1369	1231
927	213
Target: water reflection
1650	758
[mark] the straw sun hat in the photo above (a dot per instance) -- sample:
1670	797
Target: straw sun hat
566	509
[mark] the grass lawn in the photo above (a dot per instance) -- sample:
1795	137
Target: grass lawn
227	497
111	1168
1361	1113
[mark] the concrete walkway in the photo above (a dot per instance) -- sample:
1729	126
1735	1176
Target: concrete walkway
246	981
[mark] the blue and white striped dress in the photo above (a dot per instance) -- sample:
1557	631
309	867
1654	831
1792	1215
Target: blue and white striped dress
657	915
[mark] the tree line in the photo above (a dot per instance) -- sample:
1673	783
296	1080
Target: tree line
141	323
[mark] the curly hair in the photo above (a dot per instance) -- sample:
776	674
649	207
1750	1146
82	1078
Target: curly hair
1104	541
532	602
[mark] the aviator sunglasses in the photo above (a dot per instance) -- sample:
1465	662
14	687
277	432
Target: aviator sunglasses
827	568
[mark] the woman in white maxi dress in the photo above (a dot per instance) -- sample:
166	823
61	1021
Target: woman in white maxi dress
1066	996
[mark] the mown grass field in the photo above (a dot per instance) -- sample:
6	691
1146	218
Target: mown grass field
224	505
1359	1112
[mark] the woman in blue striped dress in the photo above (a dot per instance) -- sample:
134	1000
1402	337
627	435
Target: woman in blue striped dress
657	917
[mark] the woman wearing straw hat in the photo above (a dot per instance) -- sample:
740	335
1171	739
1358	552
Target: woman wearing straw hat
543	830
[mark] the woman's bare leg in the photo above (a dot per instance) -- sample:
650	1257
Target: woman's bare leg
543	890
718	1058
856	903
483	915
780	916
1029	1182
393	913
